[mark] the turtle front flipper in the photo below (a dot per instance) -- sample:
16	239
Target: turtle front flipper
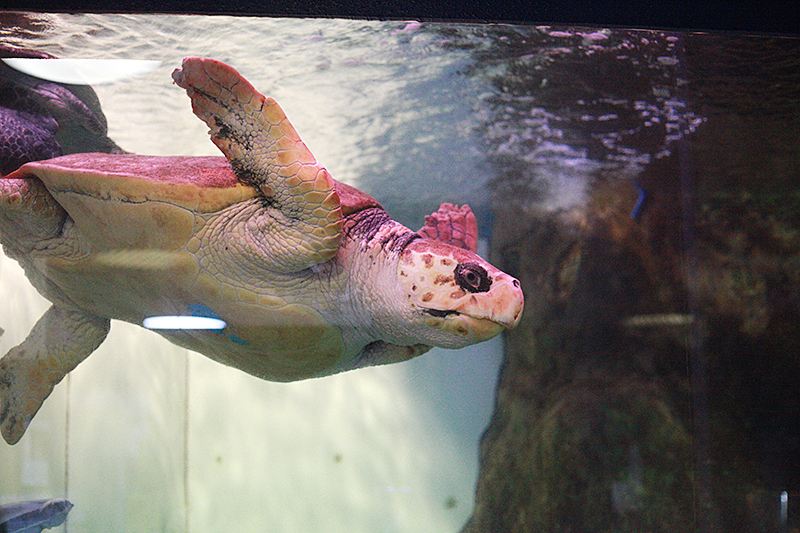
452	225
266	152
57	343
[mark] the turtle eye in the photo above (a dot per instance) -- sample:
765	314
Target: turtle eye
472	277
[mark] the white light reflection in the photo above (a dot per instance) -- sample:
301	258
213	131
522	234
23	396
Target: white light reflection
82	71
183	322
784	509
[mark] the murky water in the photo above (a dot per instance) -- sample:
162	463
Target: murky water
571	145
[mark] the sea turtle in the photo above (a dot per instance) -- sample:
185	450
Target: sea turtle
310	276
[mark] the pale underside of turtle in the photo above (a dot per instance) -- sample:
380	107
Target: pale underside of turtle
311	276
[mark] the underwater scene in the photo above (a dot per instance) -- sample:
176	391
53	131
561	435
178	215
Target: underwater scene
606	339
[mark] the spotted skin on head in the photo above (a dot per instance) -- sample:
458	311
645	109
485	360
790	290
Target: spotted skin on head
458	291
454	288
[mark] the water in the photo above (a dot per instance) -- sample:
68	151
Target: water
587	157
171	441
370	132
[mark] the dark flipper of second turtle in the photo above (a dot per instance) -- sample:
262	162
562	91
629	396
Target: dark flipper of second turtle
40	119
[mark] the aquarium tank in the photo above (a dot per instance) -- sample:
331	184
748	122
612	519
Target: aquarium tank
642	185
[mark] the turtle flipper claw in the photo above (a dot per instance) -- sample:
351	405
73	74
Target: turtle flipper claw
20	396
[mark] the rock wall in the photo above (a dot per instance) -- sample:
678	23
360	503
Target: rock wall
652	385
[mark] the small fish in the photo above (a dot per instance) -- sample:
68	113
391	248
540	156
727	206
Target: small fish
658	320
33	516
640	200
411	25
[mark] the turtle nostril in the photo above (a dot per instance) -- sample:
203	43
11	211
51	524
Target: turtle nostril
516	283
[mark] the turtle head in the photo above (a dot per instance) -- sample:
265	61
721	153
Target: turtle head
456	296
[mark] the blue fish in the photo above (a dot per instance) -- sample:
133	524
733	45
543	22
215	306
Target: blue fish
640	201
33	516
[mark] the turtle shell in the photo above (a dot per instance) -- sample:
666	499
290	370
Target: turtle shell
141	193
134	201
137	217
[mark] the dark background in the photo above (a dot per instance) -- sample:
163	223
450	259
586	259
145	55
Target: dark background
779	17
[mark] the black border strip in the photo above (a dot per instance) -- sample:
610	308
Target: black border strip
750	16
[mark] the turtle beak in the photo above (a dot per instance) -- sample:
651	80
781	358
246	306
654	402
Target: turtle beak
510	302
503	304
481	316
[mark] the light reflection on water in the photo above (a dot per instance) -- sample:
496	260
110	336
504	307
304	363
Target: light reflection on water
384	109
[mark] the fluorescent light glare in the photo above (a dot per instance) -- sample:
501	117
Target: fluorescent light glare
82	71
183	322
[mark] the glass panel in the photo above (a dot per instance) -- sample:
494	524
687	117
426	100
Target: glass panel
641	185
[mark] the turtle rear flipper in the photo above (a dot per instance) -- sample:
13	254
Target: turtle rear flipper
266	152
28	372
28	213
